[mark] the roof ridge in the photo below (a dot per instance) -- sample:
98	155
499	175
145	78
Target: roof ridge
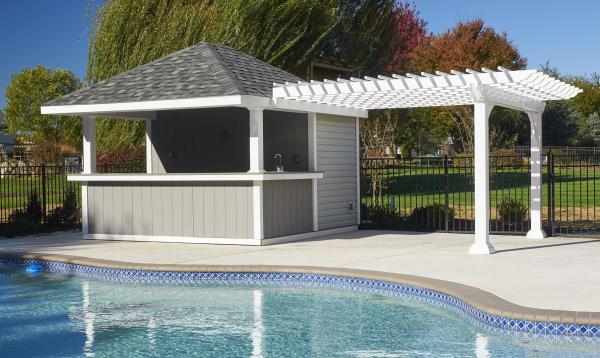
223	64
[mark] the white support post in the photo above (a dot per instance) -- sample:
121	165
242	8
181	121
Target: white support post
256	140
482	243
535	205
148	146
312	165
257	211
89	165
257	166
89	145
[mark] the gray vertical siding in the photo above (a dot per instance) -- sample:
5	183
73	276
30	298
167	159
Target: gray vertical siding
287	207
202	209
336	157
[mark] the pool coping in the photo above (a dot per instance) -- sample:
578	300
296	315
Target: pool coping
479	299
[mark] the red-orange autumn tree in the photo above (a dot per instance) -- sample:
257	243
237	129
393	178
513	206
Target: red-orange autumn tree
408	31
471	45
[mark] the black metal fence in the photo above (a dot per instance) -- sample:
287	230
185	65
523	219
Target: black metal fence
572	194
47	182
437	194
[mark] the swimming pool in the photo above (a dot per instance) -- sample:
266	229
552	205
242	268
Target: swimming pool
57	315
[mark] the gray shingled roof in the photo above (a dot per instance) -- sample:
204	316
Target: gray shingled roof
202	70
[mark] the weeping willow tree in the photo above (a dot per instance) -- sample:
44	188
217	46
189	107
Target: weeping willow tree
287	34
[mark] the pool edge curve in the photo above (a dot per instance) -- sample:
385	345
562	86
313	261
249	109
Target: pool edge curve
478	304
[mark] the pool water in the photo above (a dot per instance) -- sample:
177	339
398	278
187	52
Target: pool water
49	315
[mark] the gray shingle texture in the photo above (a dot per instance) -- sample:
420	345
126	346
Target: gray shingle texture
202	70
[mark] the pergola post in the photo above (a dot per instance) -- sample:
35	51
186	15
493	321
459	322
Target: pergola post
89	144
482	243
535	205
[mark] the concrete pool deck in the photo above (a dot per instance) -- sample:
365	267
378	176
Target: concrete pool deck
560	274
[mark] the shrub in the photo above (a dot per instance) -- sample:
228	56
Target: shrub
511	211
432	216
32	214
68	213
122	160
382	216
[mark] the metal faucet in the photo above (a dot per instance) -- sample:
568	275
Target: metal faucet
279	167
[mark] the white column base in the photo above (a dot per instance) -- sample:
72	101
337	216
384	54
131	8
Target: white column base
536	234
481	248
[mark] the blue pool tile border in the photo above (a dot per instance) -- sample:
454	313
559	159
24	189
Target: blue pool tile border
314	280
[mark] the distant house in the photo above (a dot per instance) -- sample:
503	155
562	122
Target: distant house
7	142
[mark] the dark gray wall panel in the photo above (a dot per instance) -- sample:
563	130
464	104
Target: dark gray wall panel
287	207
286	133
201	140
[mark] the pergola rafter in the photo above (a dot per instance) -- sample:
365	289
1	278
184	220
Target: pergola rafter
526	90
510	88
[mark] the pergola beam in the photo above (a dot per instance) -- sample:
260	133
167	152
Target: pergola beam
514	89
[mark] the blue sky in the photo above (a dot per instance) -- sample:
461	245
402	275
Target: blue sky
54	33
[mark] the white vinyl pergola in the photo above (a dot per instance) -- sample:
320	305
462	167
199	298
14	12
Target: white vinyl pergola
525	90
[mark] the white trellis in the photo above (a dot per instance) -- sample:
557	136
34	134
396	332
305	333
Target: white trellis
526	90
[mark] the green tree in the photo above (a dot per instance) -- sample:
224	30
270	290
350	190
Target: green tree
559	124
587	102
369	34
27	92
577	118
3	125
593	121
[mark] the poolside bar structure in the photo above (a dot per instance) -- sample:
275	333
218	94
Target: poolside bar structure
219	123
214	141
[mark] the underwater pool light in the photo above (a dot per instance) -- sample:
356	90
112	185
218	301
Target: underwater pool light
34	269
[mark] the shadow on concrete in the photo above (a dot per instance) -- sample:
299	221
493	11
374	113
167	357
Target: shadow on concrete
361	234
547	246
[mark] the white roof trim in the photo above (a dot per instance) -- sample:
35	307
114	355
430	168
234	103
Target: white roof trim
136	109
160	105
523	89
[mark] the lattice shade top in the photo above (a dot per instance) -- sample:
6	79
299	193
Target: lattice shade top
511	88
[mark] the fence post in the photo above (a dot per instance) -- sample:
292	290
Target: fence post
446	199
550	181
44	193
